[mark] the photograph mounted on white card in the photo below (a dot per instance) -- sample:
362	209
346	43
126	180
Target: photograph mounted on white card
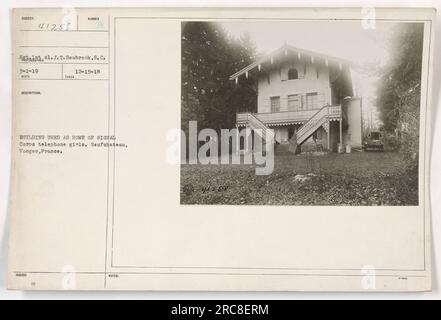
221	149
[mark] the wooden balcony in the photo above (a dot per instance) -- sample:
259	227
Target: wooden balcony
289	117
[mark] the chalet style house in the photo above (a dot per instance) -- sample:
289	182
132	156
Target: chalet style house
306	99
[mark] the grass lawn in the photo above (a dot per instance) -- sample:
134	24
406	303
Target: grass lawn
358	178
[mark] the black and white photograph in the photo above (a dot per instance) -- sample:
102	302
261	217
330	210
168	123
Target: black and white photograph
305	112
226	152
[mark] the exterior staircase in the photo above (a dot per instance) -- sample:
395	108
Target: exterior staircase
260	128
309	127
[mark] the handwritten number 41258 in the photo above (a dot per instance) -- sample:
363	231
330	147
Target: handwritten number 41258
54	26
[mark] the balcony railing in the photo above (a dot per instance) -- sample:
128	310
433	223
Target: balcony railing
288	117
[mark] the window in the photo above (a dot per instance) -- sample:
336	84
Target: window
293	74
275	104
312	100
294	102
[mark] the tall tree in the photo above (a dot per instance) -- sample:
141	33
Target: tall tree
399	92
402	77
209	57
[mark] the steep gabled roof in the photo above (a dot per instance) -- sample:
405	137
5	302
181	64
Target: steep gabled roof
285	50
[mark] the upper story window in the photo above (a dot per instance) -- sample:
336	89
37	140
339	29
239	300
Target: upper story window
293	74
294	102
312	100
275	104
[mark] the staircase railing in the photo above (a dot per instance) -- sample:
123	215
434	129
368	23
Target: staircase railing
262	129
309	127
305	131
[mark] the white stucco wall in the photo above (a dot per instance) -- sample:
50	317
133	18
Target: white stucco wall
307	82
